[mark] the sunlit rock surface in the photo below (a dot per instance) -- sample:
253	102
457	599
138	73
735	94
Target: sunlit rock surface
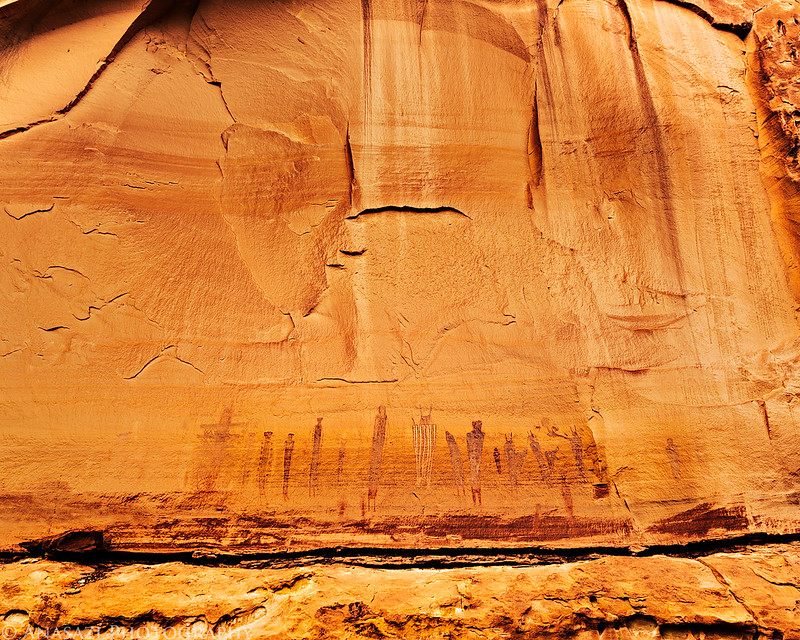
439	273
741	596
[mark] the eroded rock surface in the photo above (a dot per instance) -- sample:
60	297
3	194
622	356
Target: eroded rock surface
738	596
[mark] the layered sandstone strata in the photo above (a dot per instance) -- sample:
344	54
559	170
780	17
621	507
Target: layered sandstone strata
734	596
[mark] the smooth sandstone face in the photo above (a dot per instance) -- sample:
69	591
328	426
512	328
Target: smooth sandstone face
531	264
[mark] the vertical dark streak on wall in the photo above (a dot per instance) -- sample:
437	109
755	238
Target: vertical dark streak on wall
535	144
660	152
366	18
542	98
351	169
763	407
422	19
776	142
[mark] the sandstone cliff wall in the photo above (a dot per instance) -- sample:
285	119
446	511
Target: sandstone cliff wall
533	263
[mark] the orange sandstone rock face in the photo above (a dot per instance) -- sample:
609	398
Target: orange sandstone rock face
447	273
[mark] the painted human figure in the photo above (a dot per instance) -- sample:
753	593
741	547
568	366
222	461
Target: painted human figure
264	465
313	473
552	458
514	461
497	463
216	441
376	457
288	448
544	470
674	459
475	453
339	476
575	441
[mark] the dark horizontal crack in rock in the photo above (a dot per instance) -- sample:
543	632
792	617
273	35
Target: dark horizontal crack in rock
407	209
91	548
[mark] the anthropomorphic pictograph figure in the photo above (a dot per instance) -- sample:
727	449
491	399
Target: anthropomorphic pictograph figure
313	472
376	456
514	461
288	449
264	466
576	442
544	470
674	459
552	459
424	433
216	441
474	454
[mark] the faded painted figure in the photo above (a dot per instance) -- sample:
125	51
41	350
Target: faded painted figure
455	461
340	464
376	456
514	461
475	453
313	473
424	434
247	460
551	456
288	448
575	442
544	470
674	459
339	475
566	494
216	441
264	466
552	459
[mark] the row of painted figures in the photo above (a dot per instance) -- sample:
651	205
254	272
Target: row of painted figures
216	436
